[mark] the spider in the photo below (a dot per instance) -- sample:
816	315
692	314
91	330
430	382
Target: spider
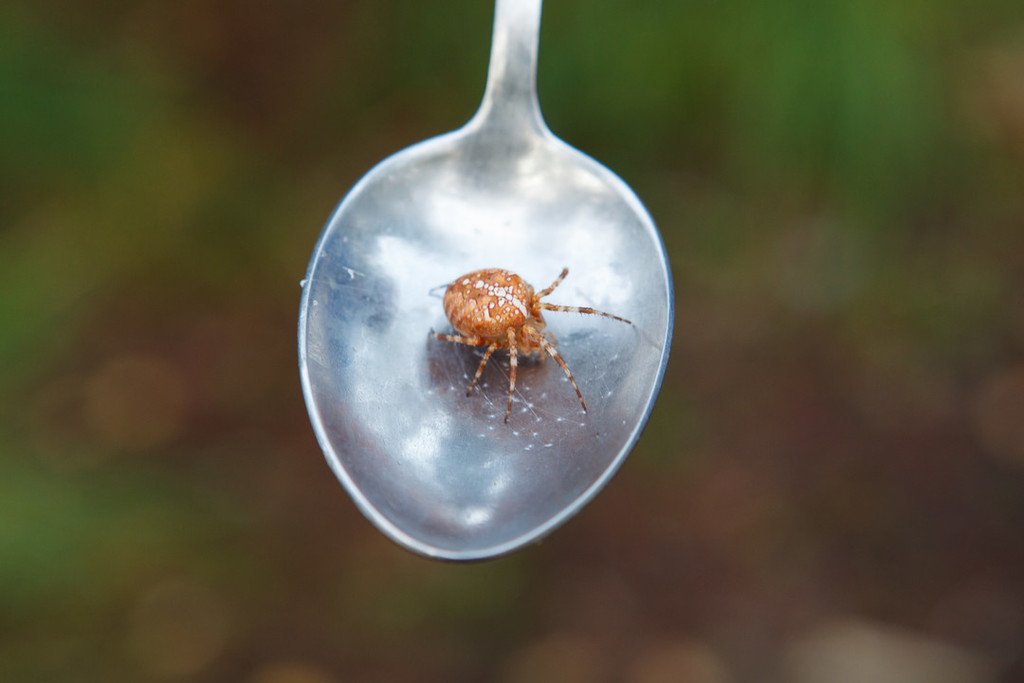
496	308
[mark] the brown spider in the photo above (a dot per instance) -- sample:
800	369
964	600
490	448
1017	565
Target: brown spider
498	309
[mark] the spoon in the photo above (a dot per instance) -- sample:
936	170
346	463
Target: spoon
438	472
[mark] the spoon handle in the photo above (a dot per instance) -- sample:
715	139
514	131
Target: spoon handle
510	100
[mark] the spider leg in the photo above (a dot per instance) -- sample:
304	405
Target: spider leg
480	368
513	356
458	339
553	352
550	288
582	309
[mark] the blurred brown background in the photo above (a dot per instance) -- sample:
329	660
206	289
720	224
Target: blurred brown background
831	487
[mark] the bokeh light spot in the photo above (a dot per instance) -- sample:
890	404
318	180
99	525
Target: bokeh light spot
290	672
178	629
853	651
561	658
999	415
673	661
135	403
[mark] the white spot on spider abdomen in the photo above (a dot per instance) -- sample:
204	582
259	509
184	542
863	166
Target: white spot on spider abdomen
521	307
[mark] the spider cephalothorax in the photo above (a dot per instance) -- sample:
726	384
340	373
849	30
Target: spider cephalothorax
498	309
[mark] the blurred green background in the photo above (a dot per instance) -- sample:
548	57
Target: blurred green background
831	487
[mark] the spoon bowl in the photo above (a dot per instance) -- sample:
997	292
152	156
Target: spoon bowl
438	471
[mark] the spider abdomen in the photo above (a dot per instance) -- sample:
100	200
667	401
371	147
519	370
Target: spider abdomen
486	303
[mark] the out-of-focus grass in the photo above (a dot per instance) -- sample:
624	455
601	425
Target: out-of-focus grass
839	436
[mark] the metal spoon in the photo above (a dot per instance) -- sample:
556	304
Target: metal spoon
437	471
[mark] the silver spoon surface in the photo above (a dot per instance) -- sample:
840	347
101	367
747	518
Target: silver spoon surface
439	472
